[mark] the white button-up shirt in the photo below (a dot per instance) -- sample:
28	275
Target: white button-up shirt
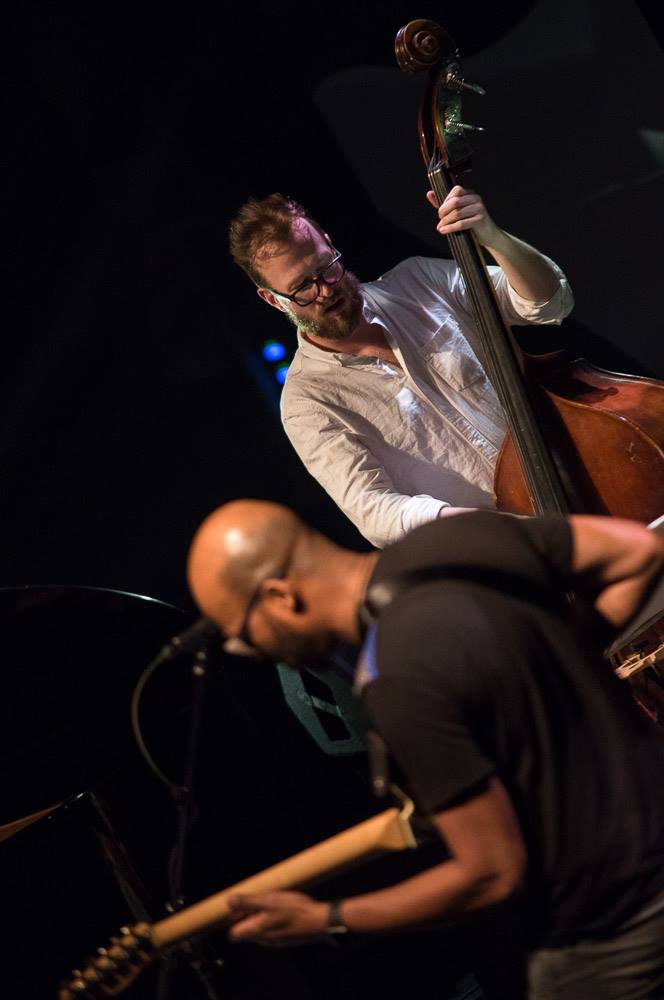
393	445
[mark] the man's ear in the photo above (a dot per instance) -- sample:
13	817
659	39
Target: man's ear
267	296
281	592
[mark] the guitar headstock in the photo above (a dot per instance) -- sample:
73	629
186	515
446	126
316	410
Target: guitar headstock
114	968
424	45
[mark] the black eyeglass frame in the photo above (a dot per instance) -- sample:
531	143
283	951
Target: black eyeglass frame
243	634
315	279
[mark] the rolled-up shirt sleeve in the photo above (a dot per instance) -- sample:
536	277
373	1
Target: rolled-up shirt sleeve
342	462
516	310
519	311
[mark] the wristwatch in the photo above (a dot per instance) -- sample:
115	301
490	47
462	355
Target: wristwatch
335	923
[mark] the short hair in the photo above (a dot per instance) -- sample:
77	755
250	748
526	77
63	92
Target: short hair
259	223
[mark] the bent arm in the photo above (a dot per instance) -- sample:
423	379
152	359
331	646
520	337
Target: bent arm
343	463
487	866
533	289
519	309
529	273
615	563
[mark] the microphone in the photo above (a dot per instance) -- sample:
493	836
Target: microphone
192	639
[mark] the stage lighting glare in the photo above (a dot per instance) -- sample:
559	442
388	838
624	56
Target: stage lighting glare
273	350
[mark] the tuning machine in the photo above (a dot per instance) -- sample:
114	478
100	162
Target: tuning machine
454	82
456	127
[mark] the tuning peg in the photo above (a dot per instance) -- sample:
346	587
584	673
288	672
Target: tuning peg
455	82
78	987
463	127
452	125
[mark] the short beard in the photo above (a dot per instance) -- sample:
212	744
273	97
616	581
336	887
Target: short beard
301	652
340	325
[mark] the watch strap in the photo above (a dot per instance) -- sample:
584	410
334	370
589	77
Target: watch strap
335	923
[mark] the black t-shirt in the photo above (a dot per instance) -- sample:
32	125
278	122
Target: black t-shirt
474	681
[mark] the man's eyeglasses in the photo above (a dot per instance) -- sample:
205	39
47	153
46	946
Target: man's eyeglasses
241	644
309	290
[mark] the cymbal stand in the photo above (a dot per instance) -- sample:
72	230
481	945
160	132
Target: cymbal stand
187	816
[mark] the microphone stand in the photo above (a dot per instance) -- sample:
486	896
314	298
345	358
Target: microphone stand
187	816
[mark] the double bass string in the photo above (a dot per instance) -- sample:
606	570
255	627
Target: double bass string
501	362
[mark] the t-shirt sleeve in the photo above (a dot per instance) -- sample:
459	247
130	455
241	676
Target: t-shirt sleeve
551	539
535	550
430	740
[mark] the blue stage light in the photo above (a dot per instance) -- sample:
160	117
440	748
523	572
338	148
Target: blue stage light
273	350
280	374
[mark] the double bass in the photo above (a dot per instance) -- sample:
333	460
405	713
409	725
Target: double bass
580	439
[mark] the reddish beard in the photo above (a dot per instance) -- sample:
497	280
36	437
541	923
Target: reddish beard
336	321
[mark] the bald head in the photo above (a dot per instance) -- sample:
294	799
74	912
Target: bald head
236	547
256	562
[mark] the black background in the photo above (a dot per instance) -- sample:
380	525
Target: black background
134	397
131	136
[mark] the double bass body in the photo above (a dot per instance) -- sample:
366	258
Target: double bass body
606	435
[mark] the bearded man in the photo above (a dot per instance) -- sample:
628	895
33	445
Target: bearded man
386	400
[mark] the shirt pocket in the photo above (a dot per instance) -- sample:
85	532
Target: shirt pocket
452	358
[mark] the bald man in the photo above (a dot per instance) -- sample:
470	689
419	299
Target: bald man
539	772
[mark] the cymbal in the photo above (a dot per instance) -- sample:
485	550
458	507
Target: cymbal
70	659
